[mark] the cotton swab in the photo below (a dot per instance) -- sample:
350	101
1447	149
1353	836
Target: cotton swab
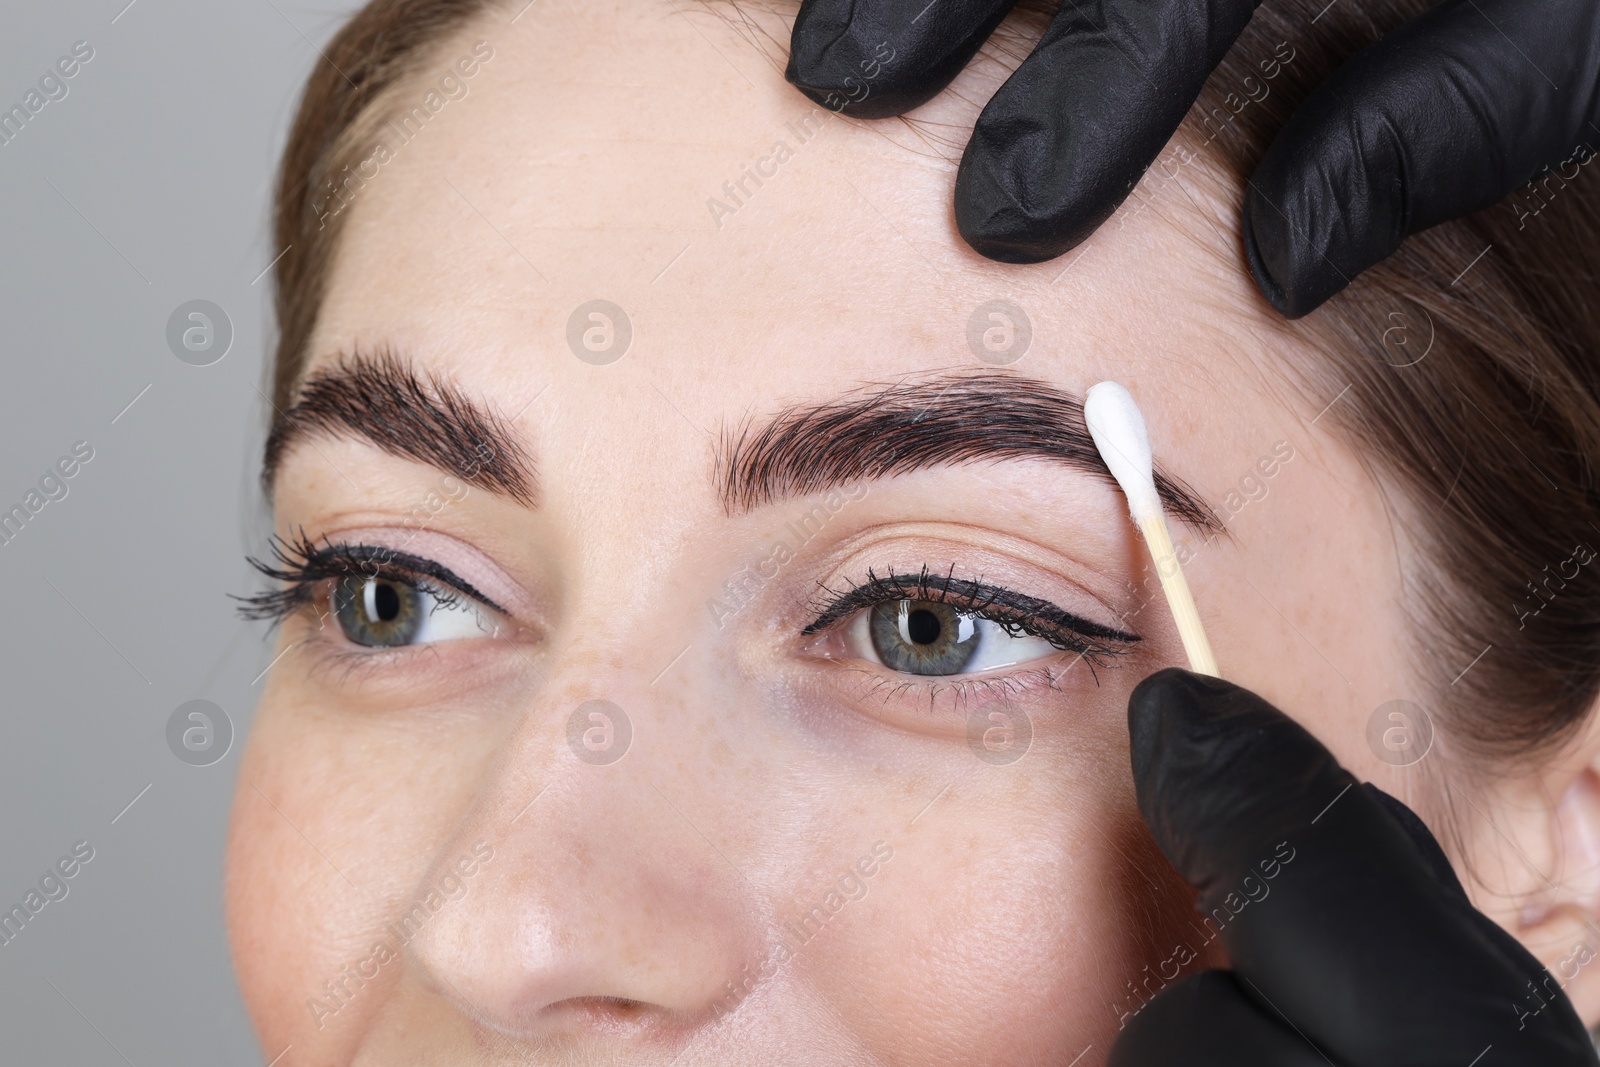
1118	431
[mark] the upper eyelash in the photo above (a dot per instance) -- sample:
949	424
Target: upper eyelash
302	565
1016	613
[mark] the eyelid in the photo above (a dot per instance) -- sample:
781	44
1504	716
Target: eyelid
405	565
493	583
304	568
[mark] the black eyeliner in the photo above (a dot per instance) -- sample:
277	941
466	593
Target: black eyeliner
1027	614
302	565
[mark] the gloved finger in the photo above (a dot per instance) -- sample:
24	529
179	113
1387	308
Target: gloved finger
1326	906
876	58
1065	139
1444	116
1207	1020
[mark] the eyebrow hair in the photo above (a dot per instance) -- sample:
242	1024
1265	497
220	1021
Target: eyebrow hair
889	429
379	398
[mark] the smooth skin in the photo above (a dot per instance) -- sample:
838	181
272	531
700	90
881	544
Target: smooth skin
1011	906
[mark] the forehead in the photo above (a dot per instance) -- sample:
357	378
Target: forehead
649	156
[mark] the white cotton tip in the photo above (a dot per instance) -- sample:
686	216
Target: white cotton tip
1118	432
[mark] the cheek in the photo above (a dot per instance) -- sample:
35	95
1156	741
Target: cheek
1008	923
335	819
270	872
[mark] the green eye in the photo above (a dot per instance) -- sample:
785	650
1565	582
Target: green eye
379	612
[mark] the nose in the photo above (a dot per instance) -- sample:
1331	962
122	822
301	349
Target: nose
601	905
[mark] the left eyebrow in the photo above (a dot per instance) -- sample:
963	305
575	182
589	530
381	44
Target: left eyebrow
379	398
885	430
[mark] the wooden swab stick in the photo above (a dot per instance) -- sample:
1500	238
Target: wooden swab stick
1118	431
1179	599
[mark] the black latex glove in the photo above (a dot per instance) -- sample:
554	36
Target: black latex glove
1445	116
1360	947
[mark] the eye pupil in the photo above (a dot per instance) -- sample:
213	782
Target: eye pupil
923	626
386	602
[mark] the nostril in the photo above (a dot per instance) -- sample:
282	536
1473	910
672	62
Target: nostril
617	1005
617	1015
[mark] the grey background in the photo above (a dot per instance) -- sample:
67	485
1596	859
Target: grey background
145	187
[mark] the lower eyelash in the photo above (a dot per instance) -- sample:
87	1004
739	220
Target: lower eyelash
337	663
1016	686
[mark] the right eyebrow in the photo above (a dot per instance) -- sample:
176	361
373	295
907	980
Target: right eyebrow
379	398
883	430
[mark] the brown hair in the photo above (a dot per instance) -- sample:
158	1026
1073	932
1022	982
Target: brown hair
1474	389
1464	368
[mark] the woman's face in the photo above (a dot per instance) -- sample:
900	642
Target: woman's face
681	794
